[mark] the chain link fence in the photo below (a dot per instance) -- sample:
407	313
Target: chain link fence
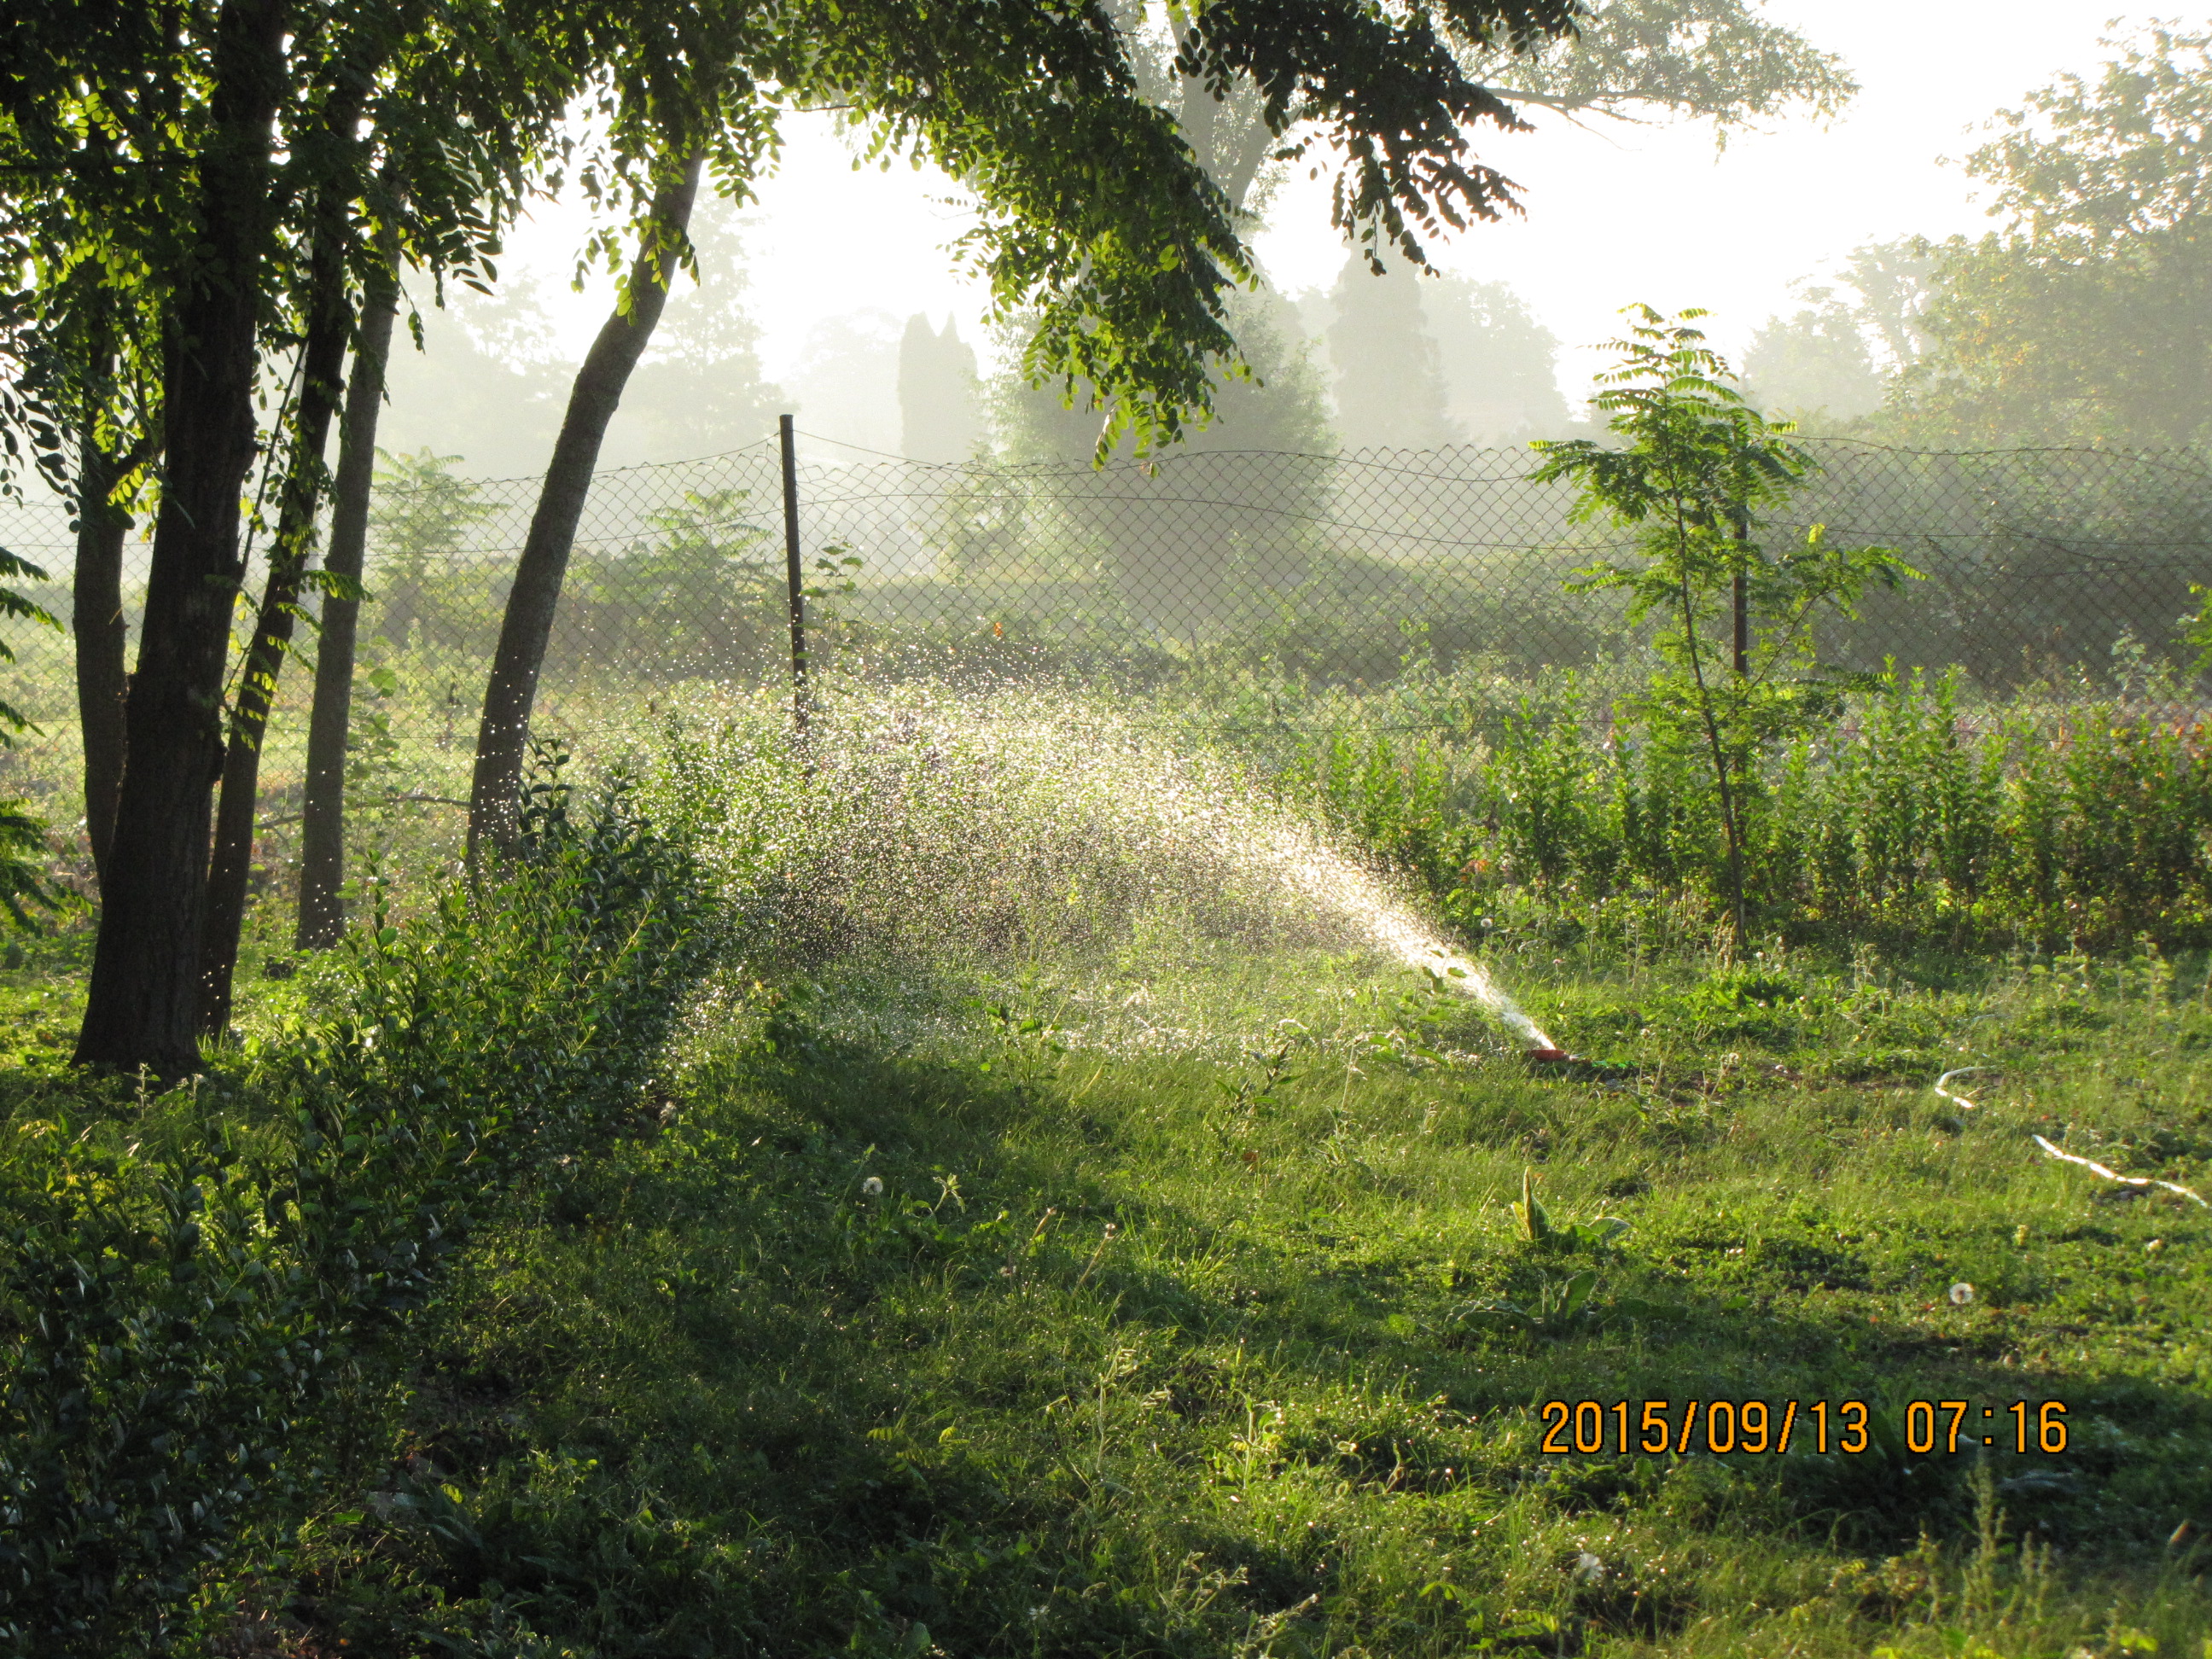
1345	572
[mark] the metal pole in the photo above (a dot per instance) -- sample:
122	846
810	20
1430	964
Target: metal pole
793	581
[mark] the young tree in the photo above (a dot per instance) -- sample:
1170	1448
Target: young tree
1690	466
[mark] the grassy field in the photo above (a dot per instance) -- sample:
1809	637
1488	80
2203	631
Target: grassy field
1141	1354
1180	1295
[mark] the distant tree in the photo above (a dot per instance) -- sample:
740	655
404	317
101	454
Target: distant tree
939	419
1890	286
492	379
2088	317
421	517
1162	575
1500	366
845	387
1814	365
1280	403
477	377
1859	328
1389	373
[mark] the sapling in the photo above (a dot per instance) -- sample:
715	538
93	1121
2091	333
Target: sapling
1691	467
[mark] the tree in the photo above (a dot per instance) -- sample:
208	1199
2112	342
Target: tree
322	838
845	387
937	393
1815	363
422	512
325	324
1690	466
143	1006
1278	405
526	625
2089	316
698	391
1389	375
85	362
1500	366
477	377
1857	335
1128	521
204	146
1710	60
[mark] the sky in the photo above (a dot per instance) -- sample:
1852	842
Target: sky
1616	214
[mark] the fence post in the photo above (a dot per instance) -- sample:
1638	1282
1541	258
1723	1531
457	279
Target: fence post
793	581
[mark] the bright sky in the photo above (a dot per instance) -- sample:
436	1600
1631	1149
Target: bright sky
1616	215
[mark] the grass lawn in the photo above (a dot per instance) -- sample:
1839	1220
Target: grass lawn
912	1326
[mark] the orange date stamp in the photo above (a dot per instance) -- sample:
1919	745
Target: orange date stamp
1928	1427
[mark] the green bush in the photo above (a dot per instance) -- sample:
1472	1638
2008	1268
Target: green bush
185	1277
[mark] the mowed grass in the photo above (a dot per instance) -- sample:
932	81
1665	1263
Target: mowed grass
991	1339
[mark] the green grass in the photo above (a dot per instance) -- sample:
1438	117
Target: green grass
1149	1353
1013	1256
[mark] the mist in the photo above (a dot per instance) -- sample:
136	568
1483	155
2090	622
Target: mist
1784	229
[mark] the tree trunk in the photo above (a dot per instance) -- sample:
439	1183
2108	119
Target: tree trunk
322	370
96	624
142	1005
528	624
322	852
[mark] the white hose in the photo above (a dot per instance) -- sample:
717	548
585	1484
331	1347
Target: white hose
1959	1071
2114	1174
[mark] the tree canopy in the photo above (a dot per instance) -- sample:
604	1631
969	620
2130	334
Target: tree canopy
2089	316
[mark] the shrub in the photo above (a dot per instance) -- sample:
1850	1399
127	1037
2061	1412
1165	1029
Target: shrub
184	1279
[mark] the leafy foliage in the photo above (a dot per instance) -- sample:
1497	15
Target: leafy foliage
1693	466
191	1282
1716	60
1911	815
2086	318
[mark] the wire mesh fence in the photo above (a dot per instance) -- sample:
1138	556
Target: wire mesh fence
1348	571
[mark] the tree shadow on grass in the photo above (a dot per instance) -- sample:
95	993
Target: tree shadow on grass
717	1393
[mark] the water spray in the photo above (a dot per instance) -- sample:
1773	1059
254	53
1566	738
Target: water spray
939	825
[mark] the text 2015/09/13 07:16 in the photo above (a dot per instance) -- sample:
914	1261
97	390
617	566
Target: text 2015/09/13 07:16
1849	1426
